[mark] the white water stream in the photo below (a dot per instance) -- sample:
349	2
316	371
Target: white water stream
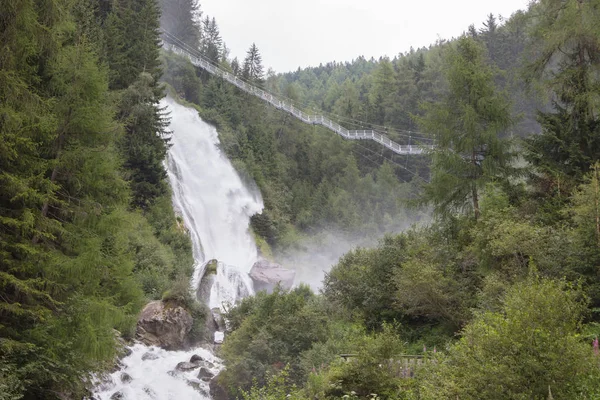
216	207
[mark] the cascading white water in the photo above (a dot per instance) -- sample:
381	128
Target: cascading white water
214	202
216	207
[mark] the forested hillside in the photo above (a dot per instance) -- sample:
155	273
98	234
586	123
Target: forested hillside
386	93
497	295
493	294
311	180
87	231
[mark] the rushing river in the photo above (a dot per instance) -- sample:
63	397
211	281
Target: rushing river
216	207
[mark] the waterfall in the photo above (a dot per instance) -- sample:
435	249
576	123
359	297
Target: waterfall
216	207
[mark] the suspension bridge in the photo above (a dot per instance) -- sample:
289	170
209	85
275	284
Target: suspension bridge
287	106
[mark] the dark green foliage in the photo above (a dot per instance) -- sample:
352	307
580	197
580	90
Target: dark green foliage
211	45
363	282
181	18
521	352
132	31
270	331
467	127
310	180
566	58
252	68
76	265
132	41
145	142
494	294
370	371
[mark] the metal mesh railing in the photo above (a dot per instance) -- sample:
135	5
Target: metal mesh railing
301	115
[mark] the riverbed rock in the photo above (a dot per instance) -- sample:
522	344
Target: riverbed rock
266	275
186	366
196	359
165	325
126	378
117	396
205	374
149	356
218	318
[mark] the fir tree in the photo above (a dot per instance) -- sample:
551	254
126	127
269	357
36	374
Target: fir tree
567	48
252	68
182	20
466	127
212	43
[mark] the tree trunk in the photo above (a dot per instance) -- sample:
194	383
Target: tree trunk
596	195
474	189
59	147
475	202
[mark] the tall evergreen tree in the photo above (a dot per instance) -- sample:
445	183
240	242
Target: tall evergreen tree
132	33
133	38
253	68
466	127
212	43
566	40
182	20
235	66
489	34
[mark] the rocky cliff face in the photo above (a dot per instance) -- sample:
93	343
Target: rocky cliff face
266	275
165	325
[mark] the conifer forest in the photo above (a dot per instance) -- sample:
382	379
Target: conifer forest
468	271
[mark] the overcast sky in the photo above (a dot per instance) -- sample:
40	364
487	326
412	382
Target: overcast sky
305	33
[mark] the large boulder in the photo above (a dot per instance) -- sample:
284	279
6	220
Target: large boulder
165	325
266	275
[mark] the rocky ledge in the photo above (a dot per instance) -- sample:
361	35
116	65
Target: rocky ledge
165	325
266	275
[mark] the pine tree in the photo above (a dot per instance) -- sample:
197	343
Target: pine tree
133	38
566	45
132	33
64	286
212	43
383	87
489	34
182	20
235	66
466	127
252	68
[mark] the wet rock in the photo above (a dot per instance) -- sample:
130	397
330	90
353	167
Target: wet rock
217	392
205	375
266	275
186	366
218	318
165	325
194	384
198	386
196	359
127	352
117	396
126	378
204	287
150	392
149	356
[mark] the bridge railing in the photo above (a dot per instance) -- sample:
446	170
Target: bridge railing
288	107
402	365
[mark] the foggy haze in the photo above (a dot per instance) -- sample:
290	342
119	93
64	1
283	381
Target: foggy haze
292	34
